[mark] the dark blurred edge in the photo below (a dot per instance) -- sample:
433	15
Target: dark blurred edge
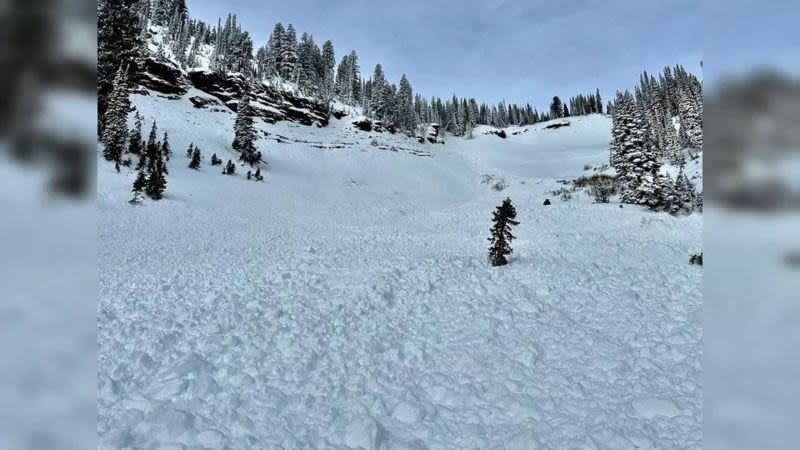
47	224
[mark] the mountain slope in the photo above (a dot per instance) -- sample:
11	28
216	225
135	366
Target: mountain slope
347	302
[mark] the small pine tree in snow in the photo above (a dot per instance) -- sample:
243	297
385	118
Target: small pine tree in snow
249	175
215	161
501	237
230	168
258	175
135	142
165	147
190	150
196	157
140	182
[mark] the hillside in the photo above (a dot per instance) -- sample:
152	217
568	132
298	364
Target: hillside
346	301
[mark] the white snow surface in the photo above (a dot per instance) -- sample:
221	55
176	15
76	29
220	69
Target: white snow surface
346	302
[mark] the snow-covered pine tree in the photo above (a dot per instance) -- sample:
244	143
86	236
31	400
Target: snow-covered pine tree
119	44
230	168
166	150
379	87
196	158
328	64
288	63
245	133
135	142
405	94
215	161
156	168
274	54
503	218
115	133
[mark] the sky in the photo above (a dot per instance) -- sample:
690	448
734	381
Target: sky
517	51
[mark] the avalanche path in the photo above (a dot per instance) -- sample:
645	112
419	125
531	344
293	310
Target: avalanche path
346	302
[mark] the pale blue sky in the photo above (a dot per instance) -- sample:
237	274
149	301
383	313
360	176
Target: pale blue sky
520	51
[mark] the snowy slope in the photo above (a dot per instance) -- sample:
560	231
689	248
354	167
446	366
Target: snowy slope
346	301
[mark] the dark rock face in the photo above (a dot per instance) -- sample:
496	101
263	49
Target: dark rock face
203	102
546	202
162	76
366	124
363	125
498	133
271	104
554	126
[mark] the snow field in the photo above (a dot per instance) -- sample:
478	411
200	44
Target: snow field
346	301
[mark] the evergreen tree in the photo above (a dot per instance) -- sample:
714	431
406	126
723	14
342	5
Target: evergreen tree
288	58
215	161
116	130
258	175
196	157
140	182
190	150
379	87
230	168
135	142
598	101
274	54
328	64
556	108
501	236
119	44
245	133
165	147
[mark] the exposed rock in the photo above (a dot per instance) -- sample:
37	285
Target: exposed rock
162	76
363	124
269	103
554	126
203	102
546	202
498	133
432	133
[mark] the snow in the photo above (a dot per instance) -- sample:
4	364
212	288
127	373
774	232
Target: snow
346	301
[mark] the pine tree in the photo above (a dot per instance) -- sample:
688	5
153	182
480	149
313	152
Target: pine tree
328	64
215	161
116	130
196	157
258	175
274	56
140	182
119	44
156	177
165	147
190	150
230	168
556	108
378	100
245	133
135	142
598	101
501	236
288	63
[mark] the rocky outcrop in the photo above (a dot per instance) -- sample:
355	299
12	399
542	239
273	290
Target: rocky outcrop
162	76
499	133
269	103
555	126
367	124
